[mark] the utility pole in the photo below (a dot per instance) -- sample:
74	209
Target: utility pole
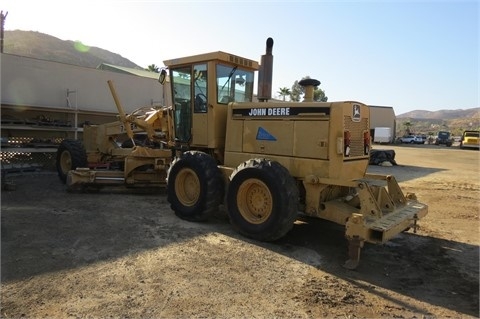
2	27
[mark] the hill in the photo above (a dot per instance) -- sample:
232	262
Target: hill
46	47
428	122
442	114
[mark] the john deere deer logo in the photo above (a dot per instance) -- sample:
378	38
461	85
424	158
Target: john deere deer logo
356	113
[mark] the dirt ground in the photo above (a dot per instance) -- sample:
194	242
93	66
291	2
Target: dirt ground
120	254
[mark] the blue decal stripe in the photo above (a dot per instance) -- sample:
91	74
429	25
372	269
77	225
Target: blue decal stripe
263	135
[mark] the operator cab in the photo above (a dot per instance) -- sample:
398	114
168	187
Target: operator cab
202	86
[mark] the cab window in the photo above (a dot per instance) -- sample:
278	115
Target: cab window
200	88
234	84
182	95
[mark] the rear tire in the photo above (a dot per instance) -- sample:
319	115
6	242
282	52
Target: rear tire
262	200
195	186
70	155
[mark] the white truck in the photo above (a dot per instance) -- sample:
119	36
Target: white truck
382	135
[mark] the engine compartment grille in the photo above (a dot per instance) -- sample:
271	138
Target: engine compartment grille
356	129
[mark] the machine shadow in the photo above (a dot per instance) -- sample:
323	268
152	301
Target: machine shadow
433	270
403	173
56	230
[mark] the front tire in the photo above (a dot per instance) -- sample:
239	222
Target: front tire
262	200
70	155
195	186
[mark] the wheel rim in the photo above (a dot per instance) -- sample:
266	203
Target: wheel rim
187	187
66	162
254	201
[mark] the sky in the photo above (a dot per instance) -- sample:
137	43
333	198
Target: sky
411	55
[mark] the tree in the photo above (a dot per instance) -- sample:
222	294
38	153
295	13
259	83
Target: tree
284	92
2	28
407	125
153	68
319	95
296	92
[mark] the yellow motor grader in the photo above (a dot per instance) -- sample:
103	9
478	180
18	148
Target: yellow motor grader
264	160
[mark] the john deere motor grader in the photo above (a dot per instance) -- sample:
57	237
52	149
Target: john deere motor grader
265	161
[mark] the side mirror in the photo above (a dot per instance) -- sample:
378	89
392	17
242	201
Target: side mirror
163	76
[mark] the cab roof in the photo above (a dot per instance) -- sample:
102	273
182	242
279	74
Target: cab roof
218	56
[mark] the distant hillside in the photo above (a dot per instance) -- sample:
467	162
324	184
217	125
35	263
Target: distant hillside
428	122
43	46
442	114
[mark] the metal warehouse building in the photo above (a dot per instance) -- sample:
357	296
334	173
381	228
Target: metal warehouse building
382	116
43	102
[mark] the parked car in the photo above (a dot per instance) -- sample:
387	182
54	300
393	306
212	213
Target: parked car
470	139
443	137
412	139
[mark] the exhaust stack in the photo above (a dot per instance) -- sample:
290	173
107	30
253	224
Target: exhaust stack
265	74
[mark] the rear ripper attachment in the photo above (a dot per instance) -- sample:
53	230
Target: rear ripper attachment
384	213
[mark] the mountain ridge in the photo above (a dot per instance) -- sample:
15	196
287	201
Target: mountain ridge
442	114
39	45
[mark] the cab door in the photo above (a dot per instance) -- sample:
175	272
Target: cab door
190	95
200	105
181	80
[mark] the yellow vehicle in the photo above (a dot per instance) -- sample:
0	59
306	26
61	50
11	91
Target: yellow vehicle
133	151
265	161
470	139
